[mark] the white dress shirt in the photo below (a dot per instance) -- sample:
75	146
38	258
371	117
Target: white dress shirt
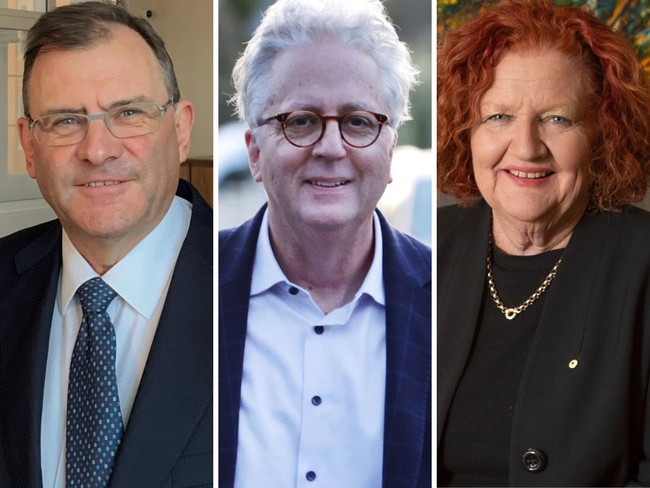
141	280
313	387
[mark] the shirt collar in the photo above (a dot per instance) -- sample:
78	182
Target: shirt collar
142	275
267	272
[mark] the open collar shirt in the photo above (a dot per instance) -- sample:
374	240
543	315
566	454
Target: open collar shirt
313	387
141	280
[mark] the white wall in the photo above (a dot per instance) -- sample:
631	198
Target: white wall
186	28
25	213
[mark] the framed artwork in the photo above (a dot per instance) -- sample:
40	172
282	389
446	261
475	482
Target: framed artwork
629	17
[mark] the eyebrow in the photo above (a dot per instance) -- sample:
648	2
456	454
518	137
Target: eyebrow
562	108
345	108
115	104
121	103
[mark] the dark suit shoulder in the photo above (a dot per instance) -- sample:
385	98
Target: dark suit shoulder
21	238
619	235
202	213
456	224
225	235
26	247
633	221
404	255
413	245
237	251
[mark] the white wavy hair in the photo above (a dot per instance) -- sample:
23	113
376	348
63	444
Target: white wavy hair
363	24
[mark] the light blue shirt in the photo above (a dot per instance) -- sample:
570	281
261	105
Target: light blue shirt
141	280
312	405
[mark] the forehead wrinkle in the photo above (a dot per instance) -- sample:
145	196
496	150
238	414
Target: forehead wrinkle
309	73
81	110
559	85
319	107
507	96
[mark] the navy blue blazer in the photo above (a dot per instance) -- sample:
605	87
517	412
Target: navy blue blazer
407	282
168	440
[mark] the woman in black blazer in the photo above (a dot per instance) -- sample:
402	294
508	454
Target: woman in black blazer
543	267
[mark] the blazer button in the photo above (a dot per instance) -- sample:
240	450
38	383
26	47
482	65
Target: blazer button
534	460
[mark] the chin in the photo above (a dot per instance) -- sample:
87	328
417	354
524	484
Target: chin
108	226
525	214
326	221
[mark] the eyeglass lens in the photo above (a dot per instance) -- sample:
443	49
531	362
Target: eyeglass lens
131	120
359	129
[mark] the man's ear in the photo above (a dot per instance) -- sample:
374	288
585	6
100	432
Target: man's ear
27	142
253	155
184	120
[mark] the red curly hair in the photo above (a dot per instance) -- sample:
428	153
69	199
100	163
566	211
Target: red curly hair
619	129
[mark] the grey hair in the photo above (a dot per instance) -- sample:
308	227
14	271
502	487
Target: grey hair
363	24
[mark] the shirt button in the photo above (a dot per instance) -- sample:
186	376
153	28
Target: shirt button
293	290
311	476
534	460
316	400
319	329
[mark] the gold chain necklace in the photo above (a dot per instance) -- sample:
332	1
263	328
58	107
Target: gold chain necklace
511	313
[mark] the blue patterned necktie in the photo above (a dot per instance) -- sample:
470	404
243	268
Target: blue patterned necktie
94	420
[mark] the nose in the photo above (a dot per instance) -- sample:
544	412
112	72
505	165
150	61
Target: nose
527	141
99	145
331	145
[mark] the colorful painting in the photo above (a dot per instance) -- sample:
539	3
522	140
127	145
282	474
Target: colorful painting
629	17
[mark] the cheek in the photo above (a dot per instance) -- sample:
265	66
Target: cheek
487	149
50	164
479	153
480	175
573	154
281	160
145	147
378	161
154	155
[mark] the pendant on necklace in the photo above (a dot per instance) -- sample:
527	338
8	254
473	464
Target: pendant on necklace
510	313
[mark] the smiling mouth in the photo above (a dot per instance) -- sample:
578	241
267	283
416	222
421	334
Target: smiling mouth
530	176
102	183
328	184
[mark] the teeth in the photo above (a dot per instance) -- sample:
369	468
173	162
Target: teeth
102	183
327	184
530	176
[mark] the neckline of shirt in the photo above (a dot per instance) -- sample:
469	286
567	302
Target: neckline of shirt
143	274
267	272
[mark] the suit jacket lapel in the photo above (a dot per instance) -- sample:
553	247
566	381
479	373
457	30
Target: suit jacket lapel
24	341
237	253
407	435
176	386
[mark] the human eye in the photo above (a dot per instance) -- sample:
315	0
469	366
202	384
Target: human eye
498	117
557	119
128	112
61	122
137	114
360	120
302	120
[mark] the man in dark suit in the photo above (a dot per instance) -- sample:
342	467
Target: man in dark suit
324	308
104	135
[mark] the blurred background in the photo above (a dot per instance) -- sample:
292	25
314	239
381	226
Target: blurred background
407	201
